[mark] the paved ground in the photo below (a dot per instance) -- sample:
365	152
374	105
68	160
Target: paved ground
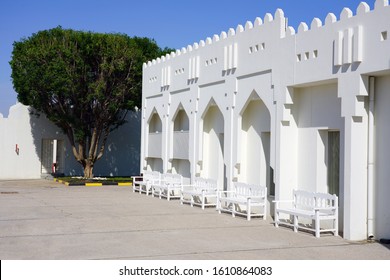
46	220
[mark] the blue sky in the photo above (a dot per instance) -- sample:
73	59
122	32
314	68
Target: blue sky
171	23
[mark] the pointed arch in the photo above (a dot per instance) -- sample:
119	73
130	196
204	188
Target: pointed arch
253	96
154	122
154	141
180	119
212	131
255	136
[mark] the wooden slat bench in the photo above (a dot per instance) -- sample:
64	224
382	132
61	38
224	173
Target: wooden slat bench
169	186
316	207
143	184
203	192
242	200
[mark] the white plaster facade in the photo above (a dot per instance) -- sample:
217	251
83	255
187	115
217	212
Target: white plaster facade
291	110
27	145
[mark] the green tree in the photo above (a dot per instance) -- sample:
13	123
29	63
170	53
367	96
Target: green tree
84	82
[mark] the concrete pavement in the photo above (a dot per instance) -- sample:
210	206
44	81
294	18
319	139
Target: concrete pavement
40	219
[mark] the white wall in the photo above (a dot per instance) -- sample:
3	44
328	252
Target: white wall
183	167
155	164
382	162
27	131
311	80
317	109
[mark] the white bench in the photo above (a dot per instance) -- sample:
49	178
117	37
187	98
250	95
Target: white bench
242	200
316	207
169	186
143	184
203	192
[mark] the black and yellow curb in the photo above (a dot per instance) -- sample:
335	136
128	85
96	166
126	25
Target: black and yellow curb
121	184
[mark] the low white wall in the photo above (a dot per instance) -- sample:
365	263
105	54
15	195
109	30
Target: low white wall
27	131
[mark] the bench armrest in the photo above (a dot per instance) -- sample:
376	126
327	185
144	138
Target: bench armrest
277	201
256	196
221	192
187	187
329	209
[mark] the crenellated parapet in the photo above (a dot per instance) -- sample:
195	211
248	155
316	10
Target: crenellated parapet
351	43
258	23
316	23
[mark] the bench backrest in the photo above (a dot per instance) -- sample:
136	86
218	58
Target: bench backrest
245	190
309	200
205	184
151	176
173	179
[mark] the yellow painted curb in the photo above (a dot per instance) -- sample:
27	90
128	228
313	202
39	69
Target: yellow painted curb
125	184
61	182
93	184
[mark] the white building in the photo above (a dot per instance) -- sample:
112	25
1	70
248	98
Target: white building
266	104
29	146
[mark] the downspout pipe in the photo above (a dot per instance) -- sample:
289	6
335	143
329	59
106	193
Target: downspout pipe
371	161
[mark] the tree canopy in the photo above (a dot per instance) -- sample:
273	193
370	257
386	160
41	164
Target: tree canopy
84	82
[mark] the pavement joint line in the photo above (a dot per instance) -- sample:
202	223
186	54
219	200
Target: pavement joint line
156	256
140	215
119	231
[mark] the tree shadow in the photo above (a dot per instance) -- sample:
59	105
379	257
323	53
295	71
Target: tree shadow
122	153
121	156
44	131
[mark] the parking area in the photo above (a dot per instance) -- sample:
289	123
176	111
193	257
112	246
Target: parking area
41	219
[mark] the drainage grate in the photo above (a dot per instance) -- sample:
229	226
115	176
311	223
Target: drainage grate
8	192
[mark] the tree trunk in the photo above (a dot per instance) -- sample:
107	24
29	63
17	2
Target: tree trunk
88	170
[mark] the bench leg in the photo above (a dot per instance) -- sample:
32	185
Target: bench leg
336	227
317	228
203	202
248	209
276	218
295	218
192	201
317	224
